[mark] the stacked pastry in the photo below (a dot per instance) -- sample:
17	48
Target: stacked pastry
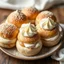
8	34
30	38
48	28
28	42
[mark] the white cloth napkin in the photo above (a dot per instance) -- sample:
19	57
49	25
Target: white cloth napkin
40	5
19	4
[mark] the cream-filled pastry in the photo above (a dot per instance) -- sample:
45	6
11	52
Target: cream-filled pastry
48	28
8	34
17	18
29	42
31	13
53	40
45	14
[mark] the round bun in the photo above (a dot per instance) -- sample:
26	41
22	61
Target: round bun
8	31
28	51
17	18
33	39
31	13
45	14
47	33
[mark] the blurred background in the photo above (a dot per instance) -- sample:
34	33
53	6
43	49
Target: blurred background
19	4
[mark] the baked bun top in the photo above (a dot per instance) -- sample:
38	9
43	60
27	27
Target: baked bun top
17	18
45	14
8	31
30	12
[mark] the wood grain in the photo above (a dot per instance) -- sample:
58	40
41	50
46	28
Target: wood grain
5	59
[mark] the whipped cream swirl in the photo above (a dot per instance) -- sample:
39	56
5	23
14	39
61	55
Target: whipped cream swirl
28	30
48	23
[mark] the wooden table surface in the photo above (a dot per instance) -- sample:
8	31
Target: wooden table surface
5	59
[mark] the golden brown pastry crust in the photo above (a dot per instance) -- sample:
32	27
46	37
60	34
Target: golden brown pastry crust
43	15
31	13
17	18
8	31
24	39
47	33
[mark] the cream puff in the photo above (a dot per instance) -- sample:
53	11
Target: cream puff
48	28
31	13
17	18
29	42
8	34
45	14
